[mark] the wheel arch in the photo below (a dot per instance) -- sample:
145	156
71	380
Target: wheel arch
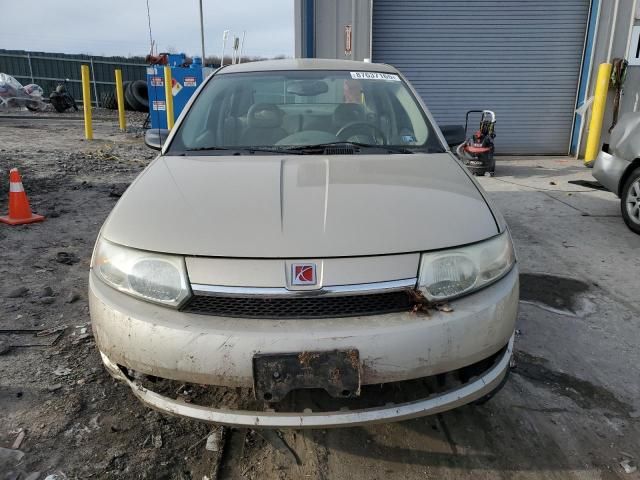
627	173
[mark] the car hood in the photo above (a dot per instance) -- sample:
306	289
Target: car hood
290	206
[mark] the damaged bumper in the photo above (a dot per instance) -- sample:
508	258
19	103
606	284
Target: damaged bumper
135	336
473	390
211	350
608	170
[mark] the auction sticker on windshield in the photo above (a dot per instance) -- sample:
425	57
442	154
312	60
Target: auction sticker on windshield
374	76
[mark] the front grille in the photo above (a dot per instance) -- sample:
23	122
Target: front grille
300	307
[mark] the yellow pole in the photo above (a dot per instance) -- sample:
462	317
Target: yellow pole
86	103
168	93
120	95
597	113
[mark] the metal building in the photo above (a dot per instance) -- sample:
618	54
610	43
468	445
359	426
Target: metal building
529	60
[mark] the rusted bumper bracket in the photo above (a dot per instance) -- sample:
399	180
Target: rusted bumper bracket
336	371
307	419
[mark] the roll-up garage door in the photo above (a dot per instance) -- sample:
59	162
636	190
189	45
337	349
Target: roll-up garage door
520	58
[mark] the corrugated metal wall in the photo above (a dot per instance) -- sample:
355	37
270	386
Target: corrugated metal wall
46	69
520	58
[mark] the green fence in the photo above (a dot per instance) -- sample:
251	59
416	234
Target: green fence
47	69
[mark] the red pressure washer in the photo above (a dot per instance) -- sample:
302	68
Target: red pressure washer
477	151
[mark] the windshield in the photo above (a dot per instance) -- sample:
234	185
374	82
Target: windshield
288	111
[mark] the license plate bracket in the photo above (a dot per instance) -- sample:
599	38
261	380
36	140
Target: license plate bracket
336	371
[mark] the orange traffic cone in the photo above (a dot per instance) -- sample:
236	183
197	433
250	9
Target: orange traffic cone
19	209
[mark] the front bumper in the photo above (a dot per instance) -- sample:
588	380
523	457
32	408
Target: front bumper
483	385
199	349
608	170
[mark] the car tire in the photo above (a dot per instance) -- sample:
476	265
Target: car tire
125	87
33	106
58	103
109	101
129	98
630	201
139	91
135	95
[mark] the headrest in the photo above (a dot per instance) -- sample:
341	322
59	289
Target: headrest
346	113
264	115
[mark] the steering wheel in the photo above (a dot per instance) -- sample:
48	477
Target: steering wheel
359	127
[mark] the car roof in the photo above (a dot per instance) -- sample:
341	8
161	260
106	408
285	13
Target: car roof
307	64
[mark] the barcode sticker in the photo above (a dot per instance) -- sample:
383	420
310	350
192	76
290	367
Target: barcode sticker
375	76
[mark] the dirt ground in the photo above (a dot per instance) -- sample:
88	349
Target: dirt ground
571	408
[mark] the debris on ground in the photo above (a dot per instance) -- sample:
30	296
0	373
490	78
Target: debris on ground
80	421
67	258
73	297
19	439
62	371
10	457
628	466
117	190
51	331
46	292
213	441
13	94
18	292
277	440
156	439
106	152
56	476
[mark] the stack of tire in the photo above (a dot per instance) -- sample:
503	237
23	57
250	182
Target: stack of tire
136	97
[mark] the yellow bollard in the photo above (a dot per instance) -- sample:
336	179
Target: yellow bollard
168	93
120	95
597	113
86	103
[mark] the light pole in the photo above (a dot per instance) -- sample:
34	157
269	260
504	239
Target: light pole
244	33
225	34
202	34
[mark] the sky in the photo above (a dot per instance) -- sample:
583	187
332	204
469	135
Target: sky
120	27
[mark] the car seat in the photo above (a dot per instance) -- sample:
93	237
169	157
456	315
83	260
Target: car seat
347	113
264	125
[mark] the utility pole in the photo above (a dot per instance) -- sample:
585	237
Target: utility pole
225	34
202	33
244	33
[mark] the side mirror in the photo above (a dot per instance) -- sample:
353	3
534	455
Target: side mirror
155	137
453	134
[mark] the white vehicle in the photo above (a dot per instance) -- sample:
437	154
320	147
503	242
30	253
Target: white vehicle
306	251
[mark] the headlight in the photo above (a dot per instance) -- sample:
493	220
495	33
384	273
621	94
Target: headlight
154	277
451	273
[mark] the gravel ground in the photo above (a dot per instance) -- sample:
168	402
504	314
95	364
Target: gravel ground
76	419
571	408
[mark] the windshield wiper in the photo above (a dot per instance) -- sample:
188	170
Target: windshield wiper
243	148
202	149
320	147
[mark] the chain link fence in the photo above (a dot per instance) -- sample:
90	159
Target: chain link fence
49	69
